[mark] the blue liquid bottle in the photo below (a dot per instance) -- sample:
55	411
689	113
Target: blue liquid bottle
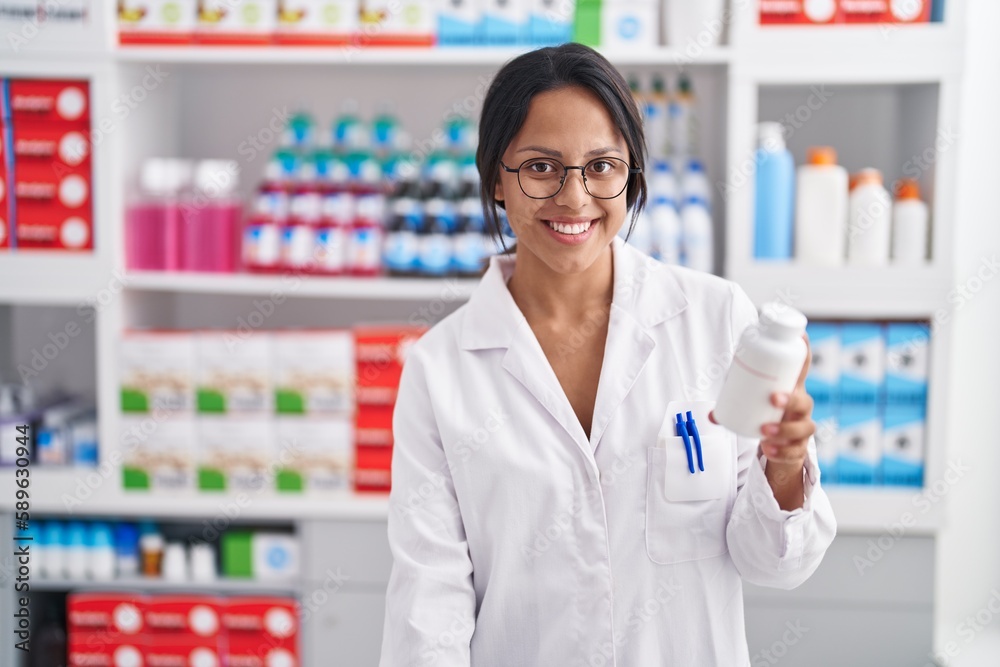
775	195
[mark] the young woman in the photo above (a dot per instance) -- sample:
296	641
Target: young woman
542	513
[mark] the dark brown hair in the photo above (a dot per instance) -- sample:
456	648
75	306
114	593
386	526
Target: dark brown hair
506	108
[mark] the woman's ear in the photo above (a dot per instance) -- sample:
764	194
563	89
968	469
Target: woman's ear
498	191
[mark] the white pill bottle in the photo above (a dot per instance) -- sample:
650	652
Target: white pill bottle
769	358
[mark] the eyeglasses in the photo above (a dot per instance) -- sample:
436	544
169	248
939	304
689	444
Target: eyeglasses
603	177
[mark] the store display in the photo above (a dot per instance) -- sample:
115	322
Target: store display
157	21
697	238
812	12
249	22
62	429
774	195
768	359
47	165
869	384
821	209
870	220
910	225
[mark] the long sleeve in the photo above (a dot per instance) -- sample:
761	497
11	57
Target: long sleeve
771	546
430	602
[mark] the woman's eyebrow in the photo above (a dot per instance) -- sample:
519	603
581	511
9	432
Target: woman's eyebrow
555	153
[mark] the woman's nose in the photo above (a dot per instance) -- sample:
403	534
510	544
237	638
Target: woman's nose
573	193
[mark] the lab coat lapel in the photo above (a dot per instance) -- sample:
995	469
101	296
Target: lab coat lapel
645	294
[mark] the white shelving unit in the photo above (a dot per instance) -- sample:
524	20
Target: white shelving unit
201	110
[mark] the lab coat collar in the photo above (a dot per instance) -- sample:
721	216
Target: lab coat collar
645	289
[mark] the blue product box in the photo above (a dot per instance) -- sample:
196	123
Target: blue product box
505	22
825	416
460	23
550	22
862	362
903	437
906	362
823	380
859	444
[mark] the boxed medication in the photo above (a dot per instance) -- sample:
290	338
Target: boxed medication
825	416
236	454
799	12
904	429
859	444
885	11
157	21
156	371
320	454
460	22
629	24
862	354
550	22
244	22
234	373
158	456
314	372
823	380
317	21
397	22
505	22
906	362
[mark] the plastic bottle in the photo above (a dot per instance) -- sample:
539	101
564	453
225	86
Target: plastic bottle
435	254
348	129
153	216
83	436
768	359
77	549
402	245
662	182
910	225
821	209
681	122
298	237
640	236
101	563
695	183
468	252
127	549
665	225
774	202
868	235
697	241
53	561
657	107
300	133
364	245
687	22
151	550
213	221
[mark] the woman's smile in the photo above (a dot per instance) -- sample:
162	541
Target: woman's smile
571	231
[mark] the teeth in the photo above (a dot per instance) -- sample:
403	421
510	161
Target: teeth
572	230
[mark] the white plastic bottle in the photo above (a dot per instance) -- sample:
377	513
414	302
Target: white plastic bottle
662	182
909	225
696	235
870	220
695	182
665	226
821	209
769	358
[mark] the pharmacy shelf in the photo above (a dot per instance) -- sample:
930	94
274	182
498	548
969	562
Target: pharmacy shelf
853	292
393	56
151	585
877	510
297	285
54	278
85	492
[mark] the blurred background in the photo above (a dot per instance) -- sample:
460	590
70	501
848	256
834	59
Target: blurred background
222	222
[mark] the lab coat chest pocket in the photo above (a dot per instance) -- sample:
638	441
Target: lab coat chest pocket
687	513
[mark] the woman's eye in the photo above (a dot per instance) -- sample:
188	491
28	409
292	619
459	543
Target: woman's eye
541	167
602	167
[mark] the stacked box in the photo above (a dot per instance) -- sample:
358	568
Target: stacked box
6	164
49	124
380	353
825	12
397	23
158	21
317	21
905	412
184	630
245	22
262	631
105	629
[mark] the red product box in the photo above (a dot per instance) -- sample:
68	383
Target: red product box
380	353
885	11
262	631
182	650
799	12
373	468
50	101
53	206
373	425
260	651
37	142
97	651
113	614
194	615
6	219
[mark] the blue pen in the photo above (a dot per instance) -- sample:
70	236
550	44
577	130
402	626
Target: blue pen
693	430
682	432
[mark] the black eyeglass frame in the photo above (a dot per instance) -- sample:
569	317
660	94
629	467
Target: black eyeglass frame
562	181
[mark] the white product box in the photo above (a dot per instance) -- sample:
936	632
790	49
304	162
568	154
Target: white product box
158	455
460	22
389	22
315	454
156	372
236	454
234	373
629	23
317	21
156	21
862	354
275	556
859	444
314	372
235	22
825	416
551	21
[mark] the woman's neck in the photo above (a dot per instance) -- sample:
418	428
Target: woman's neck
543	294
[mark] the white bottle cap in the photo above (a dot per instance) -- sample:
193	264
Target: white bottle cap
217	178
780	320
771	137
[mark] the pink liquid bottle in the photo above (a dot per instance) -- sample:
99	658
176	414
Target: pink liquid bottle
153	216
212	220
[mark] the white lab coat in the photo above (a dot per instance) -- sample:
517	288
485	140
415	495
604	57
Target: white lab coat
518	541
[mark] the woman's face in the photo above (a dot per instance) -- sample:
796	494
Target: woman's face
571	125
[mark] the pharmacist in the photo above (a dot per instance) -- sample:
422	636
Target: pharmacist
532	522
